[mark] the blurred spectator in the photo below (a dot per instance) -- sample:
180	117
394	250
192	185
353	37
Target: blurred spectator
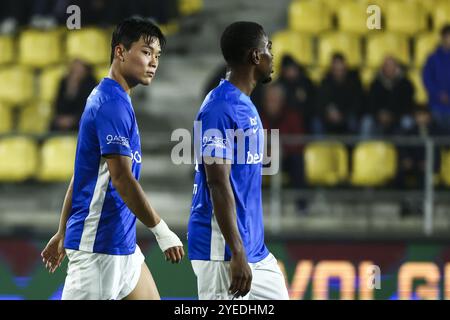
300	90
276	114
340	98
71	99
436	77
390	101
412	159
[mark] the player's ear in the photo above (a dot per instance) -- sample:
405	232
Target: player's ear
255	56
119	52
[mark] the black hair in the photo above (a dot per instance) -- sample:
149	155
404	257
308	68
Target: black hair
338	56
132	29
445	30
238	38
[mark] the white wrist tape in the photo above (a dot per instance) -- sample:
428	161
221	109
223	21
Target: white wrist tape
165	237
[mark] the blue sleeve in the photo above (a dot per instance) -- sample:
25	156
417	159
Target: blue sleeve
114	124
429	79
217	123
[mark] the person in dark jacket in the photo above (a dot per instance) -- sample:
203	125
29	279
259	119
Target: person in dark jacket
72	94
436	77
340	98
391	99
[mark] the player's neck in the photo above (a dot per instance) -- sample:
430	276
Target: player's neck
244	81
117	76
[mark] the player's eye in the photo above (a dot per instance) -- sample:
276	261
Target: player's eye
147	53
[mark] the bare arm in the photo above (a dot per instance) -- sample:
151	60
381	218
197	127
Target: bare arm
134	197
218	179
54	253
130	190
66	208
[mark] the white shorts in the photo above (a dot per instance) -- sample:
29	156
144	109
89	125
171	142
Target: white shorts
213	280
97	276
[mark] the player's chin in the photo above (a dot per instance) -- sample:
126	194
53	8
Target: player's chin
146	80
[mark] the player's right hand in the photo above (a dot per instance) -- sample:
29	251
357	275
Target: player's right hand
54	253
241	275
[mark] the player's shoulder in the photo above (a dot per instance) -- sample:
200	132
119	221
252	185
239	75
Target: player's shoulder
221	100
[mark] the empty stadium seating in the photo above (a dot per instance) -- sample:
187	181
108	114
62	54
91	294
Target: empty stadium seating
49	81
89	44
101	72
16	84
6	118
345	43
7	49
309	16
424	45
18	159
35	118
298	45
40	48
188	7
420	94
406	17
444	172
441	14
374	163
57	158
326	163
380	45
352	17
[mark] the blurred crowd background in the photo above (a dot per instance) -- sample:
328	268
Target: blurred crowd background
363	114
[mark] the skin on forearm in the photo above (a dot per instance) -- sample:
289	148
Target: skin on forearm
134	197
130	190
218	179
67	207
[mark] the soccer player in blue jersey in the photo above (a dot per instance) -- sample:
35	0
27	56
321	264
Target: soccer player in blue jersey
226	230
97	228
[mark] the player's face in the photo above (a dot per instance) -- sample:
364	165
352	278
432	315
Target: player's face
142	60
266	65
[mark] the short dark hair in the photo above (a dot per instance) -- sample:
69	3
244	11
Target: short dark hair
238	38
445	30
338	56
132	29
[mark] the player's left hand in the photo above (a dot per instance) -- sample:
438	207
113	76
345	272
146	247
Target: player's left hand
53	253
174	254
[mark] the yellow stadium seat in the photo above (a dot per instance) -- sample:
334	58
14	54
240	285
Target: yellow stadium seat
441	14
423	46
308	16
6	118
445	167
381	45
18	159
170	28
292	43
347	44
89	44
49	81
101	72
57	158
332	5
16	84
317	74
420	95
35	118
39	48
406	17
326	163
352	17
426	6
367	76
188	7
374	163
7	49
381	3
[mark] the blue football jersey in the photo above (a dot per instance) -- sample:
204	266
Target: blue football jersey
100	221
228	127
